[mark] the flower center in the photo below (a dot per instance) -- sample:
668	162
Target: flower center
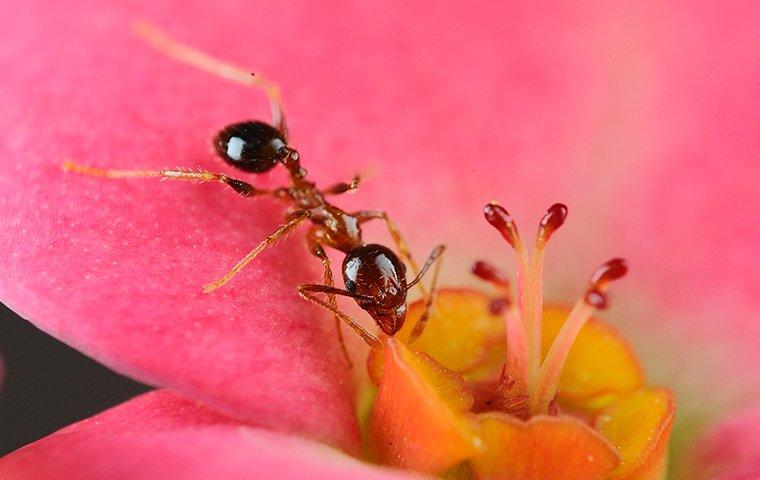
528	386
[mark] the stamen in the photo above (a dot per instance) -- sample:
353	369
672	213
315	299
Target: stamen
610	271
552	220
497	216
593	299
517	324
503	222
513	383
489	273
485	271
498	306
517	355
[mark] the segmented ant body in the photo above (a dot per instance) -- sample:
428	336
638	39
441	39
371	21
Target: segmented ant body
373	274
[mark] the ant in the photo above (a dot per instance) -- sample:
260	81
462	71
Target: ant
373	274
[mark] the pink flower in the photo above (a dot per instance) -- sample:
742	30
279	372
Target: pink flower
644	119
730	450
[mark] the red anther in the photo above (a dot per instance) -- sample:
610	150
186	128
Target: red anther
612	270
502	221
553	219
489	273
608	272
498	306
596	299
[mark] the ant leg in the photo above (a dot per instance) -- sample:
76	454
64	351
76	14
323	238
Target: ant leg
309	291
435	256
296	219
327	278
367	215
243	188
203	61
343	187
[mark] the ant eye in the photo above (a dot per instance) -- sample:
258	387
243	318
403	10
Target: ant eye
251	146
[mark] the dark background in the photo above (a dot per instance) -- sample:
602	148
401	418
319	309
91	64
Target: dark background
49	385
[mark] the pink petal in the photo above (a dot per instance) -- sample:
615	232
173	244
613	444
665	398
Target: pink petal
116	268
643	118
162	436
731	450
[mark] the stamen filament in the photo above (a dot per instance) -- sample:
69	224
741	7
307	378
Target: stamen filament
517	326
553	219
517	353
514	378
533	319
593	299
551	369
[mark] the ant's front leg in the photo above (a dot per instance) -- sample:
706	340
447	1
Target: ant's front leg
309	291
243	188
318	251
343	187
435	256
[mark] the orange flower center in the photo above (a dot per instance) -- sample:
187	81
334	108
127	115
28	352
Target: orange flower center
569	401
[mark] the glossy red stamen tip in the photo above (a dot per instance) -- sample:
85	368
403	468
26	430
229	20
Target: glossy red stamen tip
489	273
553	219
608	272
502	221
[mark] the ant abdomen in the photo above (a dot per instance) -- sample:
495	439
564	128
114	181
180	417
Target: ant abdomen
252	146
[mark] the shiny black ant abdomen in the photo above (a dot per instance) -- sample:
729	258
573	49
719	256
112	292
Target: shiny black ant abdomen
252	146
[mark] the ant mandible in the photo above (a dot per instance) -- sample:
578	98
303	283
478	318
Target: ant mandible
373	274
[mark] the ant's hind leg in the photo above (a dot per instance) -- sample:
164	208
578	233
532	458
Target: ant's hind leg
203	61
309	291
243	188
296	219
327	278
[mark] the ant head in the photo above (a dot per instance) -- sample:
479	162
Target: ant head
253	146
378	278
